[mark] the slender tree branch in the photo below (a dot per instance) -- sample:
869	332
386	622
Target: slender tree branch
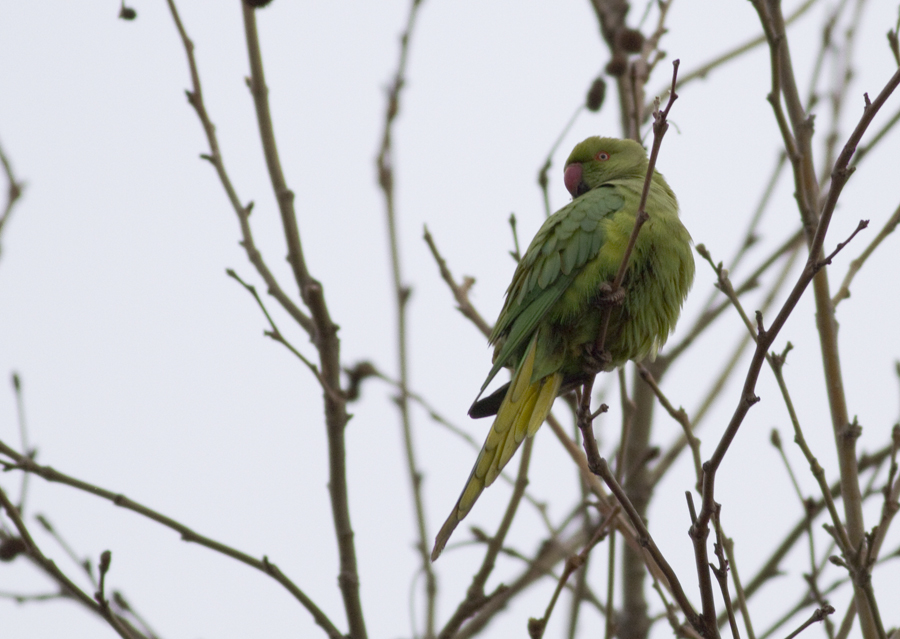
600	468
23	463
58	575
538	567
777	364
605	504
214	157
738	587
385	170
705	69
536	627
660	126
277	336
23	436
543	180
865	149
324	336
680	416
460	291
888	228
721	573
818	615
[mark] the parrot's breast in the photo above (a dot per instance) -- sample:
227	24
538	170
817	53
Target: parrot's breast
657	281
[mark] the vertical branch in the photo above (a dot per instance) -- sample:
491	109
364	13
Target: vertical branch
385	166
845	434
324	337
635	620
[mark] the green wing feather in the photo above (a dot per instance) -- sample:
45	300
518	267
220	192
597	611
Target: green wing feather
567	241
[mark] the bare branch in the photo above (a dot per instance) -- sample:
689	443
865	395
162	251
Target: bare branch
817	616
214	157
460	292
265	566
888	228
59	576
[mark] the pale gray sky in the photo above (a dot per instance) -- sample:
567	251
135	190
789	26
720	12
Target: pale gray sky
144	367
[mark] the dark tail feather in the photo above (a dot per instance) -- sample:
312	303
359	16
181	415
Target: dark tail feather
487	406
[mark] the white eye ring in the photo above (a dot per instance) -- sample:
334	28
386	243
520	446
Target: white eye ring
602	156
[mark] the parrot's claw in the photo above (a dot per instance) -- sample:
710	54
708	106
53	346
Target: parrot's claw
607	297
595	360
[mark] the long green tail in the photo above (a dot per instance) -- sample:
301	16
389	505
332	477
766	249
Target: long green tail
522	412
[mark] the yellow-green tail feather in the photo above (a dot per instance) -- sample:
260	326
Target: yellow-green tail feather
522	412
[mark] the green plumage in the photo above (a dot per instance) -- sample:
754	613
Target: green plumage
552	315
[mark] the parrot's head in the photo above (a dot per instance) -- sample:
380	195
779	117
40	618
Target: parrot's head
598	160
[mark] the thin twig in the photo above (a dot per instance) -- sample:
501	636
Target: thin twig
14	191
775	438
703	70
516	253
888	228
680	416
277	336
864	149
214	157
537	567
605	504
323	333
67	548
59	576
23	434
721	573
600	468
23	463
777	364
738	587
660	126
460	291
818	615
385	168
536	627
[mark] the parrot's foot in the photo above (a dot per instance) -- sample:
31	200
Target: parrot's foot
607	297
595	360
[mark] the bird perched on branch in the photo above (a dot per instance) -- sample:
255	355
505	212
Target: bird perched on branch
548	330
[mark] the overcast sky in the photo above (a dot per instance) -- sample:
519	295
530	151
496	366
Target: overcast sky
145	369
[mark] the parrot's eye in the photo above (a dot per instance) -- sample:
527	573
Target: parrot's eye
602	156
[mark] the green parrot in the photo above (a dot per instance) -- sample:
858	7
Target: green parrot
548	327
